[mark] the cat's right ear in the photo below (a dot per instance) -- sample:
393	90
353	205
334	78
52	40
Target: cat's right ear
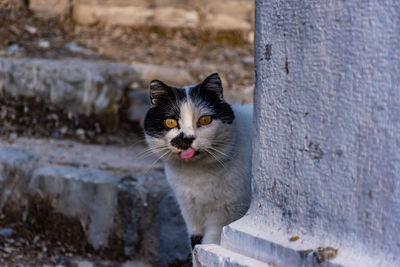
159	91
212	84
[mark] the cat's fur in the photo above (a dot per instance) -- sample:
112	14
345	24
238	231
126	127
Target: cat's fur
213	186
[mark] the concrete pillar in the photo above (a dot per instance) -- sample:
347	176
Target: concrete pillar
326	159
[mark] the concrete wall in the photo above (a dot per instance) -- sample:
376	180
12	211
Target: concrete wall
326	157
327	153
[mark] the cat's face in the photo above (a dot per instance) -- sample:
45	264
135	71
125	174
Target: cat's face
189	124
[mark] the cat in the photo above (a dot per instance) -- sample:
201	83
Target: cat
205	145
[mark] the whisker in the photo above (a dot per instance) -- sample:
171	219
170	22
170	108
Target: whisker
220	152
152	165
215	157
151	152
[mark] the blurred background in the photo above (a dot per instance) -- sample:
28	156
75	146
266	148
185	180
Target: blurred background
74	76
178	42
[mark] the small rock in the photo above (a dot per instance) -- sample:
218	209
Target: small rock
14	30
325	253
80	133
75	48
247	60
8	250
13	48
36	239
6	232
30	29
135	86
64	130
43	43
55	134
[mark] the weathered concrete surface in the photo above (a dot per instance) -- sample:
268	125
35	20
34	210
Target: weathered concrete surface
213	255
121	209
76	85
326	160
16	169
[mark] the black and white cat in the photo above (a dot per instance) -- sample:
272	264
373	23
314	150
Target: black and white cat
206	147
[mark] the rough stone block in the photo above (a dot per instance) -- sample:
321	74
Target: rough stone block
135	15
133	215
49	8
88	194
226	15
91	88
16	167
218	15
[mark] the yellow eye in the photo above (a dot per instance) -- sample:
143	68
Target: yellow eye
205	120
171	123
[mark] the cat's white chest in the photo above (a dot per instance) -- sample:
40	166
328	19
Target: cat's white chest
201	187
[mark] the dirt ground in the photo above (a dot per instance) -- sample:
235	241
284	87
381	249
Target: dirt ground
24	35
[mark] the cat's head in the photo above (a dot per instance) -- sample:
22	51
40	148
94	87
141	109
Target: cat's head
189	124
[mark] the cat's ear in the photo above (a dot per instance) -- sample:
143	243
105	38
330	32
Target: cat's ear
159	91
213	84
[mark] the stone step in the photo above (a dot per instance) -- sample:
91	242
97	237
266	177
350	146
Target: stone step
125	210
82	86
213	255
78	86
97	88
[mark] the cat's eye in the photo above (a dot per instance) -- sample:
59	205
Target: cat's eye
205	120
171	123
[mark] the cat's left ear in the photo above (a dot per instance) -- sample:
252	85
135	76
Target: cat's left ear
213	84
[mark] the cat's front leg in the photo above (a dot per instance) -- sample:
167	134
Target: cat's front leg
213	227
194	227
212	234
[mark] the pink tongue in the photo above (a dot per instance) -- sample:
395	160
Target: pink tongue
187	154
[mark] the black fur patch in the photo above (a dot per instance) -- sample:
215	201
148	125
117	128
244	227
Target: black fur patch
195	239
182	142
209	93
167	106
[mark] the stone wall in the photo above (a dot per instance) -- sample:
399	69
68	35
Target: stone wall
207	14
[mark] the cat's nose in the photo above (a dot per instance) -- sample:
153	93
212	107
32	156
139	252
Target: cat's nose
182	142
